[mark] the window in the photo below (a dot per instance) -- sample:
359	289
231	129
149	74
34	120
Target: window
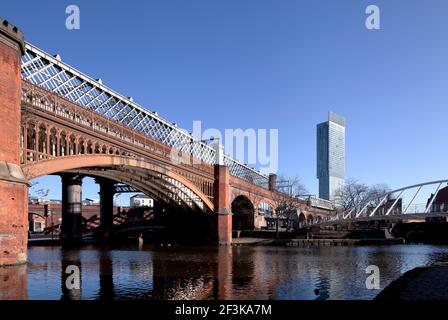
37	226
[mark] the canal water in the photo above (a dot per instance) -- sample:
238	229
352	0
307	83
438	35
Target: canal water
243	272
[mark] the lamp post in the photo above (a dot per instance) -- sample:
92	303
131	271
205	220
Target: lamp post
47	213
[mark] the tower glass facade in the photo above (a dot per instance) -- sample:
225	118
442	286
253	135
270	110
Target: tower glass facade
331	155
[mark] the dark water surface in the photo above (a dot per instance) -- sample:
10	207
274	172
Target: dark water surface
244	272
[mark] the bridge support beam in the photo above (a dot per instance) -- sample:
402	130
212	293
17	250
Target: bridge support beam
106	206
71	229
13	184
223	212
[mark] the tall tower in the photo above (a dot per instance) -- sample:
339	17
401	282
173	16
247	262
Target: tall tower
331	155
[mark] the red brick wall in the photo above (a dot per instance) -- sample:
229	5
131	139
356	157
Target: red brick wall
13	196
222	205
222	188
55	208
10	91
13	222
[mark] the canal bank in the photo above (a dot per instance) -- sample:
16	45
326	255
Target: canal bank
421	283
316	242
247	241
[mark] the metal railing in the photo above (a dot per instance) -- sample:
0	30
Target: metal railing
415	201
51	73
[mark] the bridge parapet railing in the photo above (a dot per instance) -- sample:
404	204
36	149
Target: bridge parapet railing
53	74
61	107
419	200
33	155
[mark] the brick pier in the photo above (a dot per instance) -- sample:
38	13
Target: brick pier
13	185
222	205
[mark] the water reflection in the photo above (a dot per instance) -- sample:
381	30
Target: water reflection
69	275
13	283
106	277
225	266
211	272
322	290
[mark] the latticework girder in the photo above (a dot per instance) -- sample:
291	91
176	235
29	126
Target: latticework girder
44	70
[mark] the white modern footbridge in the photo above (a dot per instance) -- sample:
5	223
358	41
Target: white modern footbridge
424	200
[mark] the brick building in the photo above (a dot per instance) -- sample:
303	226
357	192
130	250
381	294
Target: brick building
440	204
39	221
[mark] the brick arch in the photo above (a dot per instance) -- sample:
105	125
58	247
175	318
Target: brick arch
149	190
243	211
60	164
255	200
309	218
36	214
268	201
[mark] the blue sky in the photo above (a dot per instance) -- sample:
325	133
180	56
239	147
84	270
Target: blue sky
271	64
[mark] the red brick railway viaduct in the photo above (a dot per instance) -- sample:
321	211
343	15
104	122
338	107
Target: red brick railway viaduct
43	133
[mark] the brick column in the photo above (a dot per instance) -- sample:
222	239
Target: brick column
71	229
75	147
272	181
36	142
106	206
221	199
58	143
47	142
13	184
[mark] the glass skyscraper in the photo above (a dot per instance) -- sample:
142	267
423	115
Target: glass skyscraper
331	155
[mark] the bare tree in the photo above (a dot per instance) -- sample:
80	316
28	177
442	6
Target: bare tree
42	192
30	189
351	195
376	192
286	198
291	185
354	194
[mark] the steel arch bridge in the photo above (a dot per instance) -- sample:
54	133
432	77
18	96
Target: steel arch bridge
73	123
399	204
58	120
51	73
